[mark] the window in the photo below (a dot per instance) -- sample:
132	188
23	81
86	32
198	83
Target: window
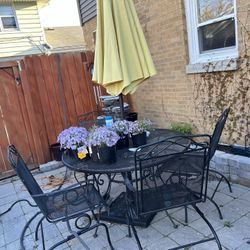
7	18
212	30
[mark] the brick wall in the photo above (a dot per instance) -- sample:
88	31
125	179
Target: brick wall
88	29
169	96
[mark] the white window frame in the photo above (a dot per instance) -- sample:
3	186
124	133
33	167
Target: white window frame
195	57
2	29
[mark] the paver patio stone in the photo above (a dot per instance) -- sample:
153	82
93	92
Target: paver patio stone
165	227
206	246
213	184
162	244
7	190
230	238
244	246
158	235
237	191
240	206
8	199
185	235
148	235
222	199
200	226
180	215
93	243
116	233
2	241
125	244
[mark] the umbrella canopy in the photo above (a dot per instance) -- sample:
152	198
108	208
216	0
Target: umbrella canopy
122	58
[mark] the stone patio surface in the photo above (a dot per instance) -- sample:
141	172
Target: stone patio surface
233	230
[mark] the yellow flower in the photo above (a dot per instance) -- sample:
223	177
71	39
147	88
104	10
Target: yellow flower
81	155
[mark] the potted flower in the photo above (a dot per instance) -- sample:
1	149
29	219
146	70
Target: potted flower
102	142
74	139
122	129
138	131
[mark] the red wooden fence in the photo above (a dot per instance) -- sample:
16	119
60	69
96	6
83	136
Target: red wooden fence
39	98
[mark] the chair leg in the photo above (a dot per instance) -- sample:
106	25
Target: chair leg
108	235
186	215
80	232
217	207
37	227
25	228
133	228
129	226
209	225
21	200
76	235
222	177
97	218
204	240
171	219
43	241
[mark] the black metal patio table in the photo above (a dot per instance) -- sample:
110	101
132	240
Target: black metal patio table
124	166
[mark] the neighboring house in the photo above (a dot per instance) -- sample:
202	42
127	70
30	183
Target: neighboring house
60	19
23	31
188	39
20	29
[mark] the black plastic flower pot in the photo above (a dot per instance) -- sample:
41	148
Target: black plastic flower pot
123	142
139	139
132	116
104	154
56	152
75	154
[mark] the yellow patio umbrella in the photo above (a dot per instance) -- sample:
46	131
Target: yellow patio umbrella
122	58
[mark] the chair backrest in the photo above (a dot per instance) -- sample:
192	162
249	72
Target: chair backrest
90	119
170	173
22	171
217	131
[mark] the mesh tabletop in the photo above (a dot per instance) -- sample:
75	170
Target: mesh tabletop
125	158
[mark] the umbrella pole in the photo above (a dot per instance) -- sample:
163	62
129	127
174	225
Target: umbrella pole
121	106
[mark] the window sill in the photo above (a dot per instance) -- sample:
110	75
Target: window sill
224	65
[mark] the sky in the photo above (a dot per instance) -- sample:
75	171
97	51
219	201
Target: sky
60	13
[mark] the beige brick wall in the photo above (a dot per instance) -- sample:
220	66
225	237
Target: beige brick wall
169	96
88	29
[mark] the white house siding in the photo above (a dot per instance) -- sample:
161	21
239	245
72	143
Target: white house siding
29	38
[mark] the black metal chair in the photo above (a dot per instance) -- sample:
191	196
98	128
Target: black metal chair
169	174
71	203
214	144
90	119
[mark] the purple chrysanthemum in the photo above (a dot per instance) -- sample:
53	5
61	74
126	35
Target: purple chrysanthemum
73	137
100	136
138	127
121	127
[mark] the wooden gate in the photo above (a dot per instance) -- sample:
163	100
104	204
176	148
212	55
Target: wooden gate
14	122
39	98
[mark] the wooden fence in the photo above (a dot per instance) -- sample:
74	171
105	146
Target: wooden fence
39	97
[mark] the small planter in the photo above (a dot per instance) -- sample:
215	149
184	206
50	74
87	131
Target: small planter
123	142
132	116
139	139
104	154
75	154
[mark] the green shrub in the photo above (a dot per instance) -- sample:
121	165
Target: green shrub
182	127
